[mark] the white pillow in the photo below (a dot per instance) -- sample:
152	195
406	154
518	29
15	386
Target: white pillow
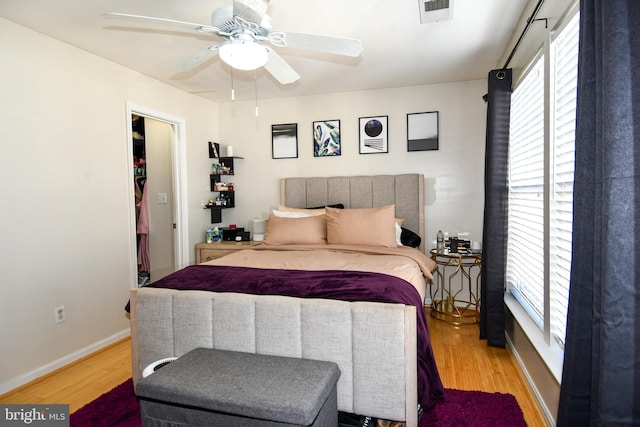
398	235
283	214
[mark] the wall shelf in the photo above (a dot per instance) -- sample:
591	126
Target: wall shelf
225	191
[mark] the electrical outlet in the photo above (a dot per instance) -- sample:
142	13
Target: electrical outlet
60	314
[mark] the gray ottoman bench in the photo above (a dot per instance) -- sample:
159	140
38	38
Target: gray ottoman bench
208	387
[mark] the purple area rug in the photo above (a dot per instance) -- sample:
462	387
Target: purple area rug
119	408
475	408
116	408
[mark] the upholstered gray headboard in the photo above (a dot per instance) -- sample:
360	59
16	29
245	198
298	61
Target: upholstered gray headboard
405	191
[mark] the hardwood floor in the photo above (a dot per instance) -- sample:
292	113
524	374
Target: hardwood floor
464	362
467	363
80	382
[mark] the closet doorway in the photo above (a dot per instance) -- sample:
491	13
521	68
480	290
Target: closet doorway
155	157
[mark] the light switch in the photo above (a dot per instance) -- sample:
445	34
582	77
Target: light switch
162	198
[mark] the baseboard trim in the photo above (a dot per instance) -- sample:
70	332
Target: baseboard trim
546	413
28	377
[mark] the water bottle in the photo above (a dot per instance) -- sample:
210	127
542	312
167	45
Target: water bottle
440	242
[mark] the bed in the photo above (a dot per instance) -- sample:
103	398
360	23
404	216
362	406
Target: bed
354	298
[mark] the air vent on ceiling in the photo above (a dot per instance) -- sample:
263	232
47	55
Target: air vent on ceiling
435	10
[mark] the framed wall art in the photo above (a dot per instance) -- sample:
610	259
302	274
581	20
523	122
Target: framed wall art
284	141
422	131
214	150
374	135
326	138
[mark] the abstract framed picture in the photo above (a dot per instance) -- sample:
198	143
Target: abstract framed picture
326	138
214	150
284	141
374	135
422	131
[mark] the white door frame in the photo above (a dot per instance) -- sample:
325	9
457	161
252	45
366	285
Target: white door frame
180	205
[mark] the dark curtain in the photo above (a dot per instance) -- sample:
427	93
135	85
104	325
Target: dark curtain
601	377
494	244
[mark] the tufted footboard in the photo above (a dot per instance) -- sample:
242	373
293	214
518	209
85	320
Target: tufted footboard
374	344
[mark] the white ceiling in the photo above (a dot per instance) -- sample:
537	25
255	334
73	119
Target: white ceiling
398	49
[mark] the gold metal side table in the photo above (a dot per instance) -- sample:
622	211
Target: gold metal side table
456	275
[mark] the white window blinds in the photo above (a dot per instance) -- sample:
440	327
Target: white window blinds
541	185
525	238
565	82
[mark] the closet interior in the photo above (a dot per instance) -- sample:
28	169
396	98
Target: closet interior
141	199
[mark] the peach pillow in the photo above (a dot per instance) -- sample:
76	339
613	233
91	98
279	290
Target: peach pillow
311	230
371	226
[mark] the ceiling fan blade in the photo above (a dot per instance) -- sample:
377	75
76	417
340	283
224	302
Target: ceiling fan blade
327	44
278	68
164	21
250	10
196	59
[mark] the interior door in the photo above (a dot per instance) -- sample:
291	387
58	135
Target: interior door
159	140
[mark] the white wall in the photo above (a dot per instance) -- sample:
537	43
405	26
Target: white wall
65	213
454	174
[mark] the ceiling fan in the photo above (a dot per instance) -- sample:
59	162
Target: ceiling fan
244	27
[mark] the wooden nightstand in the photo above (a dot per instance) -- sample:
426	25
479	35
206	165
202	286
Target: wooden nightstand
208	251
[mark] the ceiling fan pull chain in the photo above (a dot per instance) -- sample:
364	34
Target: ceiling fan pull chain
255	89
233	93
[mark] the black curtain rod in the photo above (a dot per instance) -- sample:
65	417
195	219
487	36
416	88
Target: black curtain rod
530	21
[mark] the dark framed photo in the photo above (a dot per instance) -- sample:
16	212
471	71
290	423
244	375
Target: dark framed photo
374	135
422	131
214	150
284	141
326	138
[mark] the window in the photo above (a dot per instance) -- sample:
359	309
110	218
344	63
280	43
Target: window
564	87
525	242
541	166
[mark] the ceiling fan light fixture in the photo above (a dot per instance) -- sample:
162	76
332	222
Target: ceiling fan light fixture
244	54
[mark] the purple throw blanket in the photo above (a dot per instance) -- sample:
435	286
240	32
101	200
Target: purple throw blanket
328	284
